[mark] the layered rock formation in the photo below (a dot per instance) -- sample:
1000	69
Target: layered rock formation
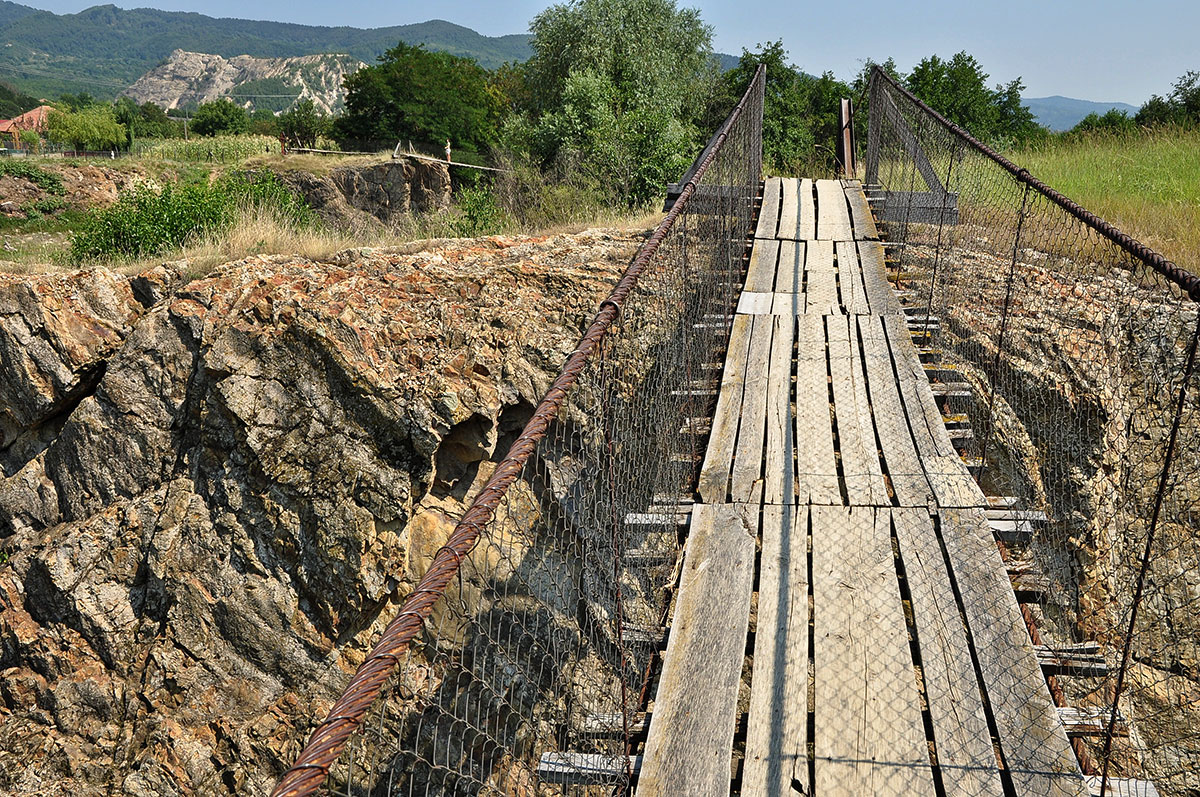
212	495
356	196
186	78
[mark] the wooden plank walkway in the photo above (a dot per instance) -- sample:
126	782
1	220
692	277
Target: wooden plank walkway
887	653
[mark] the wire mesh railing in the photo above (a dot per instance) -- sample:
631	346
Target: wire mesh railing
1079	346
534	629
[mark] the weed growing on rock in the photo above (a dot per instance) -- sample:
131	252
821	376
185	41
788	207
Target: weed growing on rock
48	182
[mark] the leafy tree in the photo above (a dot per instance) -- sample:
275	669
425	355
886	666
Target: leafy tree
617	86
1181	106
303	124
220	117
76	102
1113	120
957	89
264	123
414	94
93	127
153	122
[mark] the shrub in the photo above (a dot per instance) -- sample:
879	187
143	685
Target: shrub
49	182
478	213
147	222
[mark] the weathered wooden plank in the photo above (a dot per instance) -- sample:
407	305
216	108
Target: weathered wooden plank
816	467
870	736
789	304
833	214
860	212
960	730
714	473
789	209
899	454
586	769
776	738
854	292
753	303
760	276
952	483
808	211
768	215
1121	787
821	293
690	741
861	471
789	277
746	480
883	299
779	479
818	256
923	410
1035	747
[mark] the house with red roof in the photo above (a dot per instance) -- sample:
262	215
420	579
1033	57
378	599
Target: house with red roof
34	120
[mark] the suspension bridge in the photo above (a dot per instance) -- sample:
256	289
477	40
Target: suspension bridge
809	510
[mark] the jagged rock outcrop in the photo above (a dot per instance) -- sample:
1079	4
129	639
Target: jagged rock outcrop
195	552
188	77
354	196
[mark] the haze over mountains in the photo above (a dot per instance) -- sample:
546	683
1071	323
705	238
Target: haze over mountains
104	50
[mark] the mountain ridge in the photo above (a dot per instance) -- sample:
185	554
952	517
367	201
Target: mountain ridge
1062	113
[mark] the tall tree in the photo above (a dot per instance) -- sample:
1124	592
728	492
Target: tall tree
220	117
618	87
303	124
422	96
957	88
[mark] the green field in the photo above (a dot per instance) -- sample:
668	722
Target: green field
1148	185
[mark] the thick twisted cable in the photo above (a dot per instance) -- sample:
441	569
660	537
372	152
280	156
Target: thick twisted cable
1188	282
329	739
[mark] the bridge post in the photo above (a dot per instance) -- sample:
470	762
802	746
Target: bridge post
845	142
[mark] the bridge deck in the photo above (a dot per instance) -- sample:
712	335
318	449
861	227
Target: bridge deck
888	652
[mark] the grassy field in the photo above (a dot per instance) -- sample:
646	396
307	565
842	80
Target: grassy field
1147	185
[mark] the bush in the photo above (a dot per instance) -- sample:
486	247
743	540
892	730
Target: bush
147	222
47	181
478	213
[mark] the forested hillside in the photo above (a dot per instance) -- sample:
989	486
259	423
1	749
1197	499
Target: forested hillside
104	49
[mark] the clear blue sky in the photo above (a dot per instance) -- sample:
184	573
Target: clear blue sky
1090	49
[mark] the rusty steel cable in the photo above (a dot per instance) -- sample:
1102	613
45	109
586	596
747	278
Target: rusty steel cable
329	739
1067	350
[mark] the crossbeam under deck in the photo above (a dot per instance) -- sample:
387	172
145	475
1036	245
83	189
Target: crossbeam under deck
889	655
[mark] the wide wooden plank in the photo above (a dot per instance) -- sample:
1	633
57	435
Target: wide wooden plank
776	737
854	292
768	215
789	304
789	276
750	303
808	211
960	731
819	256
760	275
879	290
1035	747
816	468
746	480
690	741
861	471
789	209
953	485
821	293
718	458
924	406
778	476
899	454
870	736
860	212
833	214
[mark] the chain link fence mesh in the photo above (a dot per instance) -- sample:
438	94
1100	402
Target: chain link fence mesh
1068	356
545	609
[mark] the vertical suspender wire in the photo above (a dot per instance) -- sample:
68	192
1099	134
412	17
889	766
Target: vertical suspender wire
1160	495
937	252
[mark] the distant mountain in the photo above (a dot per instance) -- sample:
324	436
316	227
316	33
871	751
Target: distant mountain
1063	113
104	49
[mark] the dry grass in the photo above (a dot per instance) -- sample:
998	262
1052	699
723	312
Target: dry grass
315	164
1147	184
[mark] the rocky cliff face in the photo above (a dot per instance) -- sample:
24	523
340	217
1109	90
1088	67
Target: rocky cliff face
357	196
188	78
212	495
